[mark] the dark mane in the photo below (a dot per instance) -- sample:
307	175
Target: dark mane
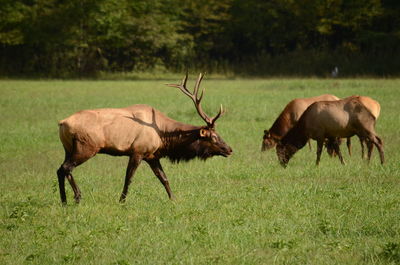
182	145
296	136
179	141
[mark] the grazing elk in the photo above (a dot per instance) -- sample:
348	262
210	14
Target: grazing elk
141	133
330	120
288	118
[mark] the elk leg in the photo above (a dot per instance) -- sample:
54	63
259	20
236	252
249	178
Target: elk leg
61	174
133	163
79	155
75	188
337	149
348	143
370	147
362	140
320	145
159	172
329	147
65	172
379	144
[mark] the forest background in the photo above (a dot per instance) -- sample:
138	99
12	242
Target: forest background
86	38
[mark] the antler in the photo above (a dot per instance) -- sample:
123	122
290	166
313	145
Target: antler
196	99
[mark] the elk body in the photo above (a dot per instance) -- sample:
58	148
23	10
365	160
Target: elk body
330	120
288	118
140	132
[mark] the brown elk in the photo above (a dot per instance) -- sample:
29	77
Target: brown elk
330	120
288	118
141	133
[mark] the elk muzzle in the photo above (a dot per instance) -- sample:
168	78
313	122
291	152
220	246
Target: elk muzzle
226	151
268	141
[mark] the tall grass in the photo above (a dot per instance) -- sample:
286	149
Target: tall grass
244	209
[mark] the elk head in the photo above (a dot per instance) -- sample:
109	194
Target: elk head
268	141
285	152
209	143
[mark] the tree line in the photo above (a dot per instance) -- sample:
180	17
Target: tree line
70	38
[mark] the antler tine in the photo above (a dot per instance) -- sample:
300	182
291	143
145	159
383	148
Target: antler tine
199	109
182	86
196	88
220	113
184	80
196	99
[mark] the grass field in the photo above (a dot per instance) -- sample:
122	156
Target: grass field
245	209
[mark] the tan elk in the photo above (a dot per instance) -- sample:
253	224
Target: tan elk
140	132
330	120
288	118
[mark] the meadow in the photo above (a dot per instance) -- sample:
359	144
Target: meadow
244	209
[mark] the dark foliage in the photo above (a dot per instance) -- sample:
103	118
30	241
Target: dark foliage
56	38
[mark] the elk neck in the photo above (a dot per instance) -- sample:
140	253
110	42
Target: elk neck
296	136
180	142
281	125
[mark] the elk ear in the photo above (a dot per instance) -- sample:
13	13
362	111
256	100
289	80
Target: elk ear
204	132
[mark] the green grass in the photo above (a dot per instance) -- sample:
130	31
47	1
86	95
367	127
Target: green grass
245	209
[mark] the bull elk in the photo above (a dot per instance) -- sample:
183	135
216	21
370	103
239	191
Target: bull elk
331	120
141	133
